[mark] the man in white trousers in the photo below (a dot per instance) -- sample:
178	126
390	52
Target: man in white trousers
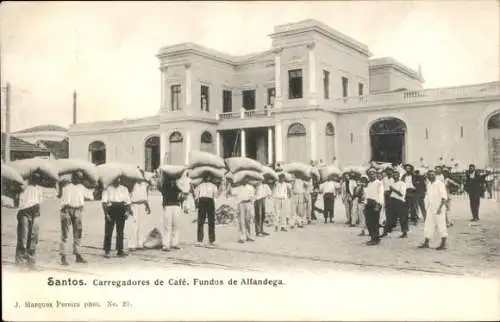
281	194
245	194
298	203
436	200
140	208
172	200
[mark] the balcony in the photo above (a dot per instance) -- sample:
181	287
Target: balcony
427	95
244	114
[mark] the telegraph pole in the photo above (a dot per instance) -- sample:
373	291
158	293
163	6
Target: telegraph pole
7	123
74	107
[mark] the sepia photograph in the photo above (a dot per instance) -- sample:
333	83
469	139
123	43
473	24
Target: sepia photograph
250	160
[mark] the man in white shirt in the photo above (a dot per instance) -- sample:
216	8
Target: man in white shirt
347	191
261	194
140	208
73	196
396	206
116	203
245	195
28	216
387	181
374	203
204	197
281	194
329	190
298	203
436	205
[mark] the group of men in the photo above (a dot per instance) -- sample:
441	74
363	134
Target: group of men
292	204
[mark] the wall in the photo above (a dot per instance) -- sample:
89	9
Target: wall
444	136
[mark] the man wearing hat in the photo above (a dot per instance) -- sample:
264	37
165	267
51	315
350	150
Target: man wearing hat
347	190
140	208
410	181
329	189
28	216
72	196
474	186
436	206
281	194
245	195
396	208
262	192
358	205
374	203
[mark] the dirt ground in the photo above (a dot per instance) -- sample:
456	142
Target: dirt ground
472	250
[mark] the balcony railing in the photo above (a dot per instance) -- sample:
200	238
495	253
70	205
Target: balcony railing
408	97
244	114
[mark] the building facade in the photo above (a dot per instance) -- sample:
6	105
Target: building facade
315	95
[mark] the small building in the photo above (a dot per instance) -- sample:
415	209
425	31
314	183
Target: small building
20	149
316	94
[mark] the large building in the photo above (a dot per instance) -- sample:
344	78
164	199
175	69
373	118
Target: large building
316	94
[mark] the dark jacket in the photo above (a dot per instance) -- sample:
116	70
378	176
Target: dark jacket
414	180
171	194
474	186
420	185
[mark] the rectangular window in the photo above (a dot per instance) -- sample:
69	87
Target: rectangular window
227	101
205	99
175	94
360	89
295	84
461	131
345	87
271	95
326	84
249	99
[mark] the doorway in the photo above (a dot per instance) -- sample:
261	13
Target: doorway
387	138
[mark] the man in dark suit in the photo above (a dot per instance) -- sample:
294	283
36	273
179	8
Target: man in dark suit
420	190
409	178
474	186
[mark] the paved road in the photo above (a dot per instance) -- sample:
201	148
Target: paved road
473	249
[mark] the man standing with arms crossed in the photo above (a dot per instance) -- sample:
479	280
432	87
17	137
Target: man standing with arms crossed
73	197
140	208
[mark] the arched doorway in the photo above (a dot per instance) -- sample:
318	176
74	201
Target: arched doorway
97	152
297	143
152	153
387	139
494	140
176	150
207	143
329	143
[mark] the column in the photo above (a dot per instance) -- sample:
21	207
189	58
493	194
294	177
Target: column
217	143
277	77
188	86
279	142
270	145
163	91
243	143
312	73
188	147
312	135
163	150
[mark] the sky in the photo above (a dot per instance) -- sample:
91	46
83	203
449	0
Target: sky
106	51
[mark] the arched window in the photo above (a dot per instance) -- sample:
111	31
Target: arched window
494	141
330	130
176	149
494	122
175	137
206	137
97	152
329	142
152	153
207	142
296	129
297	144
